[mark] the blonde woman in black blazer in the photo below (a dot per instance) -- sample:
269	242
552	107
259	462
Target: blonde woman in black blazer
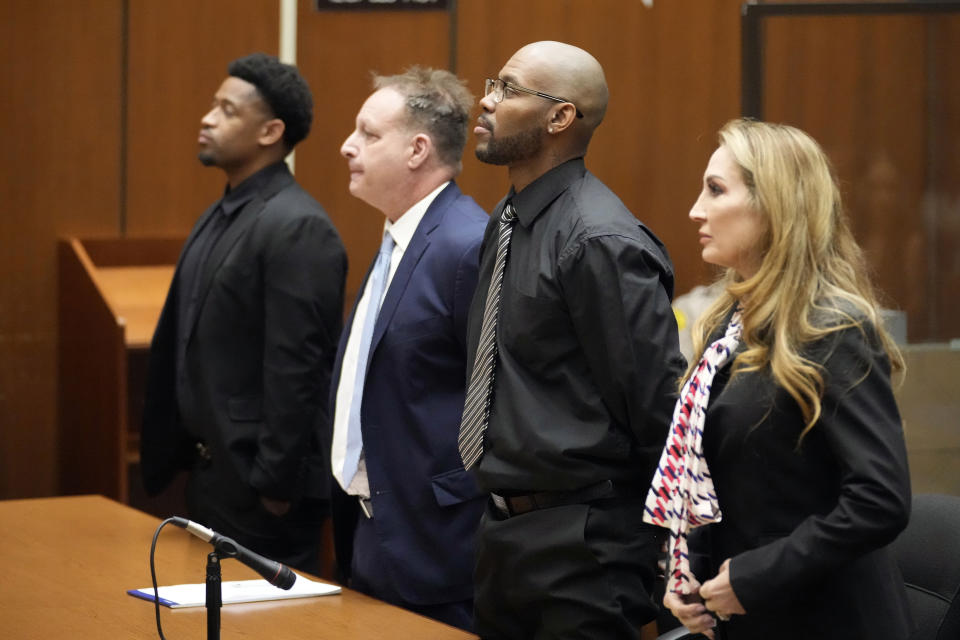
802	434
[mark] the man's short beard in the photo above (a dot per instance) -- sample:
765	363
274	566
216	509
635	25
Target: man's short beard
511	149
206	159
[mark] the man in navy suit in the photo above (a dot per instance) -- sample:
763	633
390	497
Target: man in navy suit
404	509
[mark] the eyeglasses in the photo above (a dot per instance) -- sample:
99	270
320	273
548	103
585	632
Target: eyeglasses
498	88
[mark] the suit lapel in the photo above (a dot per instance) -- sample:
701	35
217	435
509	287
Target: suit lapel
415	250
418	244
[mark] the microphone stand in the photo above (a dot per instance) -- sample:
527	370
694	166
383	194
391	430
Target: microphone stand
214	596
273	572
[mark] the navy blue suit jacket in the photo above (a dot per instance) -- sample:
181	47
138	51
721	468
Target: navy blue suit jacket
426	506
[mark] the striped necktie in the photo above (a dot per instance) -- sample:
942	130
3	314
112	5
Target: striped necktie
682	494
476	410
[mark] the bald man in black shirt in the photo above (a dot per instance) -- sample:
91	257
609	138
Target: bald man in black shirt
584	368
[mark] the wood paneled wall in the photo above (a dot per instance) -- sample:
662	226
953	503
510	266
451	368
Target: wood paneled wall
61	67
74	72
178	55
103	99
875	92
944	178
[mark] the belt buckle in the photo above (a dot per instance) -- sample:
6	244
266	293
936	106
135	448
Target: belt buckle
366	505
501	504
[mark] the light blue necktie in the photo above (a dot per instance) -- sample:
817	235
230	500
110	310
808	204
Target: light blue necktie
378	282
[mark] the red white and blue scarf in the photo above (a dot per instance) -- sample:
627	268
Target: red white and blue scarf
682	496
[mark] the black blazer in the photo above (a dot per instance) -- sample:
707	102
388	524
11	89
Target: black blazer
259	354
807	528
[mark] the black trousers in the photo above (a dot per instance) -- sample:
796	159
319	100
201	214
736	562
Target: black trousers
236	512
579	571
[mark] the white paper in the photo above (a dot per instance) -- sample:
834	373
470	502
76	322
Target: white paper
195	595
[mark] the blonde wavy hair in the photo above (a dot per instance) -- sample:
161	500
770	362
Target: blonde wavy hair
812	280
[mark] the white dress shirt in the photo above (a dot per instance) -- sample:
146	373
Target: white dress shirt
402	232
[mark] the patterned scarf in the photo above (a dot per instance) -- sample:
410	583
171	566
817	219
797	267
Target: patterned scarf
682	494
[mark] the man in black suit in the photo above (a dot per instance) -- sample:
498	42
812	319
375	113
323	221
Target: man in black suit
240	362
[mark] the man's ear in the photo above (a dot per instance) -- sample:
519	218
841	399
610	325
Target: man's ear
271	131
421	146
561	117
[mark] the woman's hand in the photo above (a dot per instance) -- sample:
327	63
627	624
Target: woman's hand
690	610
718	595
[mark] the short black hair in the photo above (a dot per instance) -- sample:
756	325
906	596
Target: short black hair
283	89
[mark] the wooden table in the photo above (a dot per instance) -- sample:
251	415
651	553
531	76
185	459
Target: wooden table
68	562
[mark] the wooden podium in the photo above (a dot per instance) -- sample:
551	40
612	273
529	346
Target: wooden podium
110	294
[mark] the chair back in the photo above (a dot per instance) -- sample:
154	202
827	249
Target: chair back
928	552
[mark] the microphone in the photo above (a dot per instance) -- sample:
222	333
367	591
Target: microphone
275	573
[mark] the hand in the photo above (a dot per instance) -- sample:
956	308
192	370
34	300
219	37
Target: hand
690	610
276	507
718	594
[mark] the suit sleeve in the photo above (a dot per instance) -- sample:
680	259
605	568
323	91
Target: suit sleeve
304	268
862	427
465	284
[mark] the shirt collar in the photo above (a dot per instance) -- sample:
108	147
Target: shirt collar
234	199
538	195
406	225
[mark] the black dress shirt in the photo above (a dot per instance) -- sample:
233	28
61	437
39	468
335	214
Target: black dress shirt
585	382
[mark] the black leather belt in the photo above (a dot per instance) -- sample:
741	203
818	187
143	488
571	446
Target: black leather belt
516	505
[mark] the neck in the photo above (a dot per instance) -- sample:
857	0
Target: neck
521	175
417	191
236	175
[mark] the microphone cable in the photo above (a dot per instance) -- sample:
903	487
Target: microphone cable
153	575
